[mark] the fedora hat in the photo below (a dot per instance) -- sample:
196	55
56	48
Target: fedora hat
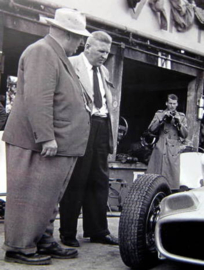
70	20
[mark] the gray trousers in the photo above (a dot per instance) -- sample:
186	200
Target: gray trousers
35	185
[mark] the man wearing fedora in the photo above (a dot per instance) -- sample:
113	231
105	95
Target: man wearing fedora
47	130
89	185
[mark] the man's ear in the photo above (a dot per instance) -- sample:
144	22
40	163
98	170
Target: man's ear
87	46
166	103
68	35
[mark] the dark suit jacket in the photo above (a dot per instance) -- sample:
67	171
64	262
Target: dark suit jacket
49	103
81	71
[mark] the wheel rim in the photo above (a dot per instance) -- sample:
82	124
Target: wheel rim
152	217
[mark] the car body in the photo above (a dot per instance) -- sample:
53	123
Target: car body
179	228
158	223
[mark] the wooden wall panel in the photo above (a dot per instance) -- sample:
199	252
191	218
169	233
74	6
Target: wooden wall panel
115	67
195	91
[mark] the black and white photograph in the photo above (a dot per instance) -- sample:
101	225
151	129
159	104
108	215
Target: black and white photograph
101	134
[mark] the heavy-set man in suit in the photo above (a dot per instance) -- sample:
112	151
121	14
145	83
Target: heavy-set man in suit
89	184
46	131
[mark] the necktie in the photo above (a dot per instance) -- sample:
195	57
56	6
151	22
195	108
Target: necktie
97	93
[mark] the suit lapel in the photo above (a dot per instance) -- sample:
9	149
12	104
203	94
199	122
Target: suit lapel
83	75
105	81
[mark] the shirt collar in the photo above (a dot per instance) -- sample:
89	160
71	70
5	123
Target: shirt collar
86	61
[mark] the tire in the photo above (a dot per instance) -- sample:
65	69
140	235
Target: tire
138	218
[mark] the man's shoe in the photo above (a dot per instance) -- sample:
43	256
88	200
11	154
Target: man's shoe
56	251
32	259
107	239
72	242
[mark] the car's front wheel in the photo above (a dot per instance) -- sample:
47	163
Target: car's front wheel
138	219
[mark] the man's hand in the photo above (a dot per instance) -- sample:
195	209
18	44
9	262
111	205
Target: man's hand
177	120
49	148
177	117
166	116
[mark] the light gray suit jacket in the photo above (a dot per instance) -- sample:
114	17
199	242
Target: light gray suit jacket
49	103
81	71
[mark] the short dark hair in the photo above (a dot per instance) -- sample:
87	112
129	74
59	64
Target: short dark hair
172	96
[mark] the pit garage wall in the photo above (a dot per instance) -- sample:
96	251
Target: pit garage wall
142	20
195	92
115	66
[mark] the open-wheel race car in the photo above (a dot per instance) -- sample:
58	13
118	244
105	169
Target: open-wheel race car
156	223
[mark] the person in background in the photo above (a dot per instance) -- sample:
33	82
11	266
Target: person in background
11	92
3	114
89	185
46	131
171	128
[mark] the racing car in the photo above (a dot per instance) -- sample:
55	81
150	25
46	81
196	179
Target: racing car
156	223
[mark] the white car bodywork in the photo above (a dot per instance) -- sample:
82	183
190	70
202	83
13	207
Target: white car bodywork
177	209
191	169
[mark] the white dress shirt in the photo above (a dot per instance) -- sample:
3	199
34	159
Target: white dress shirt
103	111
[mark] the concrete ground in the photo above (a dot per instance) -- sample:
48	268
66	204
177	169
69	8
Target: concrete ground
91	256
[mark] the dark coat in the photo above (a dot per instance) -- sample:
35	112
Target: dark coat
49	103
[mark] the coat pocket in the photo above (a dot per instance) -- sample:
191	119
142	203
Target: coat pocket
60	123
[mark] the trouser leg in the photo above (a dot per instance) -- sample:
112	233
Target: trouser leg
47	237
34	185
88	187
95	201
71	203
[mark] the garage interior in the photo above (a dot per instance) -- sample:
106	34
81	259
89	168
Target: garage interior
14	43
144	91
